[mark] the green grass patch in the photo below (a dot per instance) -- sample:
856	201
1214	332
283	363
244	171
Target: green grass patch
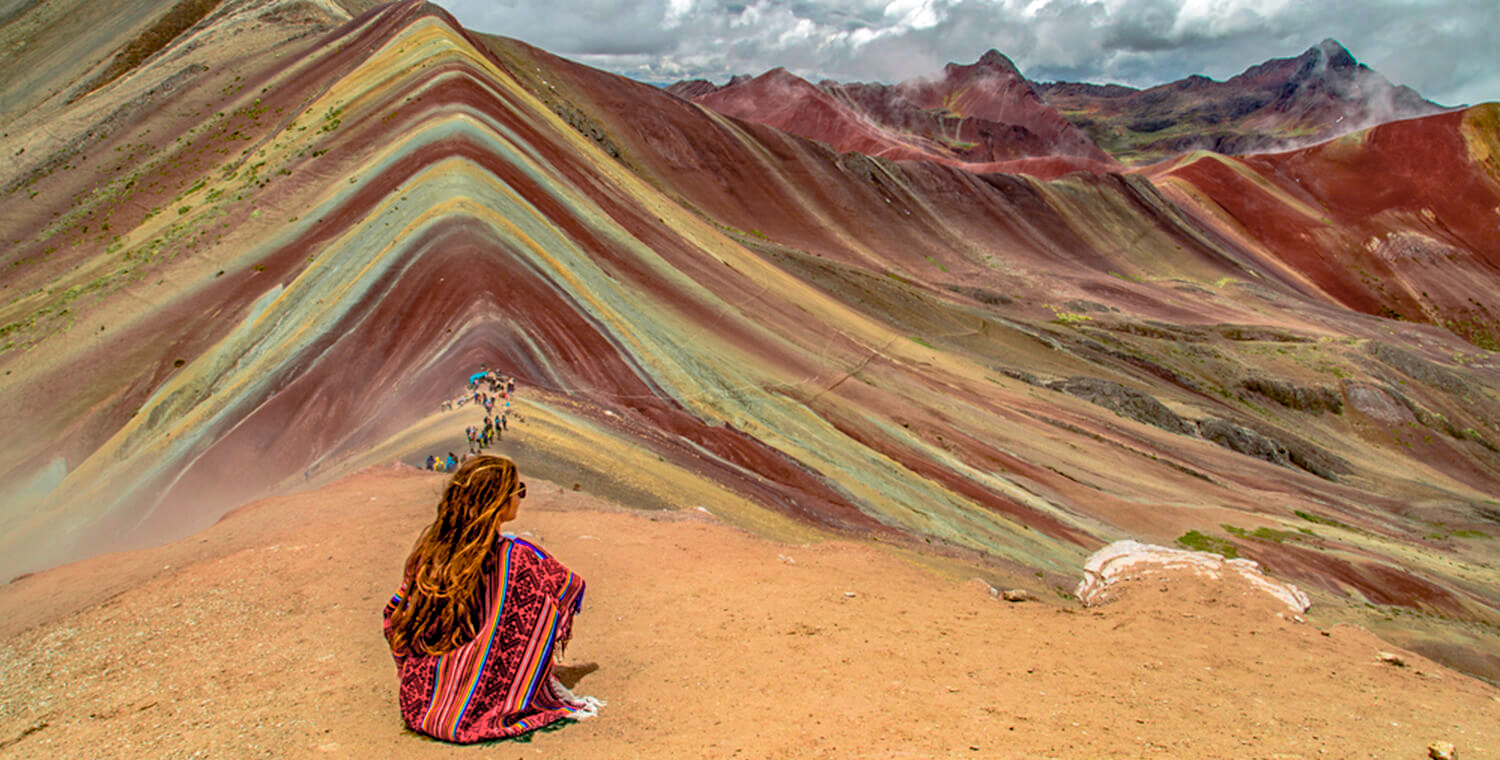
1212	544
1275	536
1063	317
1263	534
1321	520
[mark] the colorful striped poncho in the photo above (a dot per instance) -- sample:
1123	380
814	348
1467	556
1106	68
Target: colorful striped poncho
499	684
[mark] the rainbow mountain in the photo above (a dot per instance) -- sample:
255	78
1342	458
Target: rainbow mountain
254	244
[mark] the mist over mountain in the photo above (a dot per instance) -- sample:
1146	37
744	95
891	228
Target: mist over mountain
1277	105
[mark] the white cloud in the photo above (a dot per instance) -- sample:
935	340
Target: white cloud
912	14
676	11
1443	48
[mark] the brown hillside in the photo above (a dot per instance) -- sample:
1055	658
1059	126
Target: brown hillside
261	637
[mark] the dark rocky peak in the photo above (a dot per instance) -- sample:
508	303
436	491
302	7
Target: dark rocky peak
993	58
992	62
1315	60
1325	60
1194	82
1334	54
1104	91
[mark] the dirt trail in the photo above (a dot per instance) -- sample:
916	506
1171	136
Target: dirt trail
261	637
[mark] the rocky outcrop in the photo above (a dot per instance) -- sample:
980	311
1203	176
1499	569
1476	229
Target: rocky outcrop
1313	458
1258	333
1273	445
1377	404
1417	368
1244	440
1301	398
1125	562
1125	402
1259	440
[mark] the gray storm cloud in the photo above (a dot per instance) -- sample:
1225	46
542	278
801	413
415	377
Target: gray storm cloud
1443	48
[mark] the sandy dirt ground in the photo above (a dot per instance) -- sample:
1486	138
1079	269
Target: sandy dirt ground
261	638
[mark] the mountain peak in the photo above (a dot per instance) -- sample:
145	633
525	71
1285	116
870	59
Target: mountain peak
781	76
1332	51
992	60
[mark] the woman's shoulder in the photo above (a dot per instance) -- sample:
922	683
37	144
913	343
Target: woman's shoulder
526	554
527	548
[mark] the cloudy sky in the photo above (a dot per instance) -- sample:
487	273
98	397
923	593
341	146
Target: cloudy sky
1449	50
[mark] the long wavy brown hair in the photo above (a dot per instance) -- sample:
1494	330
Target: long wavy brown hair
446	571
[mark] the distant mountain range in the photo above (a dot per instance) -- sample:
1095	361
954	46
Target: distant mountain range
983	113
988	112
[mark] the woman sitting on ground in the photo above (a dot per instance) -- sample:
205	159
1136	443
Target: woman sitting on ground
481	616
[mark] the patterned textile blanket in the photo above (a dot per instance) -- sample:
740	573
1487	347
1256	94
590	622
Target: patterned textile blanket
500	684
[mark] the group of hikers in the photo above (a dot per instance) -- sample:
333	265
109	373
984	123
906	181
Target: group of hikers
490	389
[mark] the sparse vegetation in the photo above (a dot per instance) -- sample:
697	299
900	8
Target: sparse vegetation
1204	543
166	28
1266	534
1320	520
331	120
1064	317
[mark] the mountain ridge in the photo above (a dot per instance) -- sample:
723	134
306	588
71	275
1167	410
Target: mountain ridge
1280	103
977	115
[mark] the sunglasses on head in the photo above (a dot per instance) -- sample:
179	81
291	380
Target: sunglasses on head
520	491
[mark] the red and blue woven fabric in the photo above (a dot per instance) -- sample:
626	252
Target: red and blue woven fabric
499	684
